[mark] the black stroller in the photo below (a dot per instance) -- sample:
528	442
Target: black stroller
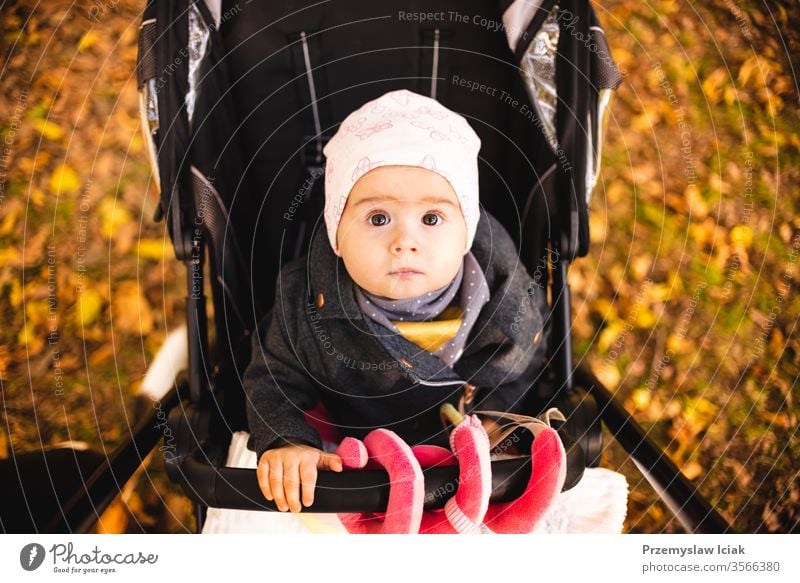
239	99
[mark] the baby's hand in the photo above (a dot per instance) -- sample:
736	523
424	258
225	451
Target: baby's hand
282	471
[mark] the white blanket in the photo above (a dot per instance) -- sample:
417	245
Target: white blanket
598	504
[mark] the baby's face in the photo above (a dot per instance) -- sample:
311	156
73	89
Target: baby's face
402	233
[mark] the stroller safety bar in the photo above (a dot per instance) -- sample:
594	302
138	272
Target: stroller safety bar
363	490
346	491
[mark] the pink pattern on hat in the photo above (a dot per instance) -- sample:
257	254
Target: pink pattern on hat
362	167
401	97
429	163
378	127
436	114
353	126
386	131
435	134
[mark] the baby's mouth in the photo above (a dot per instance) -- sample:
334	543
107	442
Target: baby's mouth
405	272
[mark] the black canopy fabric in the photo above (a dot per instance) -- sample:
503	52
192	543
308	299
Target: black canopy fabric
240	160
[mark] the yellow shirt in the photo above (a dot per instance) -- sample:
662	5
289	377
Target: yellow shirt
432	334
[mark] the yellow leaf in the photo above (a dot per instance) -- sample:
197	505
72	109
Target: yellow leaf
641	399
37	197
701	233
89	306
50	130
114	520
597	228
609	335
731	95
700	412
697	206
609	376
36	311
29	338
112	215
154	249
777	343
657	292
747	69
15	297
10	220
64	180
641	266
88	40
645	318
605	309
713	84
692	470
741	235
10	256
678	344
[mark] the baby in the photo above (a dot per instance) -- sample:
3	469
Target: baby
416	298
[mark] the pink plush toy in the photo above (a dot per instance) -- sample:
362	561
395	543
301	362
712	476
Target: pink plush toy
469	507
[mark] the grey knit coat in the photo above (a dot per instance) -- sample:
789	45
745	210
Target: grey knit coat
316	345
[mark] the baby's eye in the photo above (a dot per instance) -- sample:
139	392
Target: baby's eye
378	219
431	219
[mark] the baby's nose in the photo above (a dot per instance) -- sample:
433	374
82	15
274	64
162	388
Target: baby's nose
405	242
400	247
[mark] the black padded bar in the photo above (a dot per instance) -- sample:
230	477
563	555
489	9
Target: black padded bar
348	491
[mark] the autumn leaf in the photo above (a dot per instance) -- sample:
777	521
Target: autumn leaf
112	216
692	470
697	205
742	236
12	211
88	308
29	338
64	180
153	249
641	398
713	85
88	40
131	311
609	335
49	130
608	374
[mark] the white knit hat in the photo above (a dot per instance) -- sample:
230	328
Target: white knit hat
404	129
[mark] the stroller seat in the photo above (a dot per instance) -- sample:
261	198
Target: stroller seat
238	102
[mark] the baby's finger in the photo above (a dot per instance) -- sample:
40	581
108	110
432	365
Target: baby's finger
276	485
308	481
330	461
262	473
291	486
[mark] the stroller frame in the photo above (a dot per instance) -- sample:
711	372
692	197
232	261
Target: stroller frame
201	399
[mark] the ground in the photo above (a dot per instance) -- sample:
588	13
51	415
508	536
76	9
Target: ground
686	307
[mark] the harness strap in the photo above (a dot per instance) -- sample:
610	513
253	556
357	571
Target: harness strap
311	83
514	421
434	66
458	520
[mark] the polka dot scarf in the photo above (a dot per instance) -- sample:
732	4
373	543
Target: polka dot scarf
468	290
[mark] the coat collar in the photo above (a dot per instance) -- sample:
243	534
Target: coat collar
331	290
